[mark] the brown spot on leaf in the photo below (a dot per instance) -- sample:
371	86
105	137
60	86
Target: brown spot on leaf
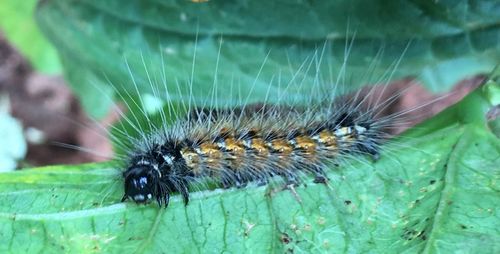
285	238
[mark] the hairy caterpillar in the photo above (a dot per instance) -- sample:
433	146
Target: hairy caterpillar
234	147
255	142
235	150
243	144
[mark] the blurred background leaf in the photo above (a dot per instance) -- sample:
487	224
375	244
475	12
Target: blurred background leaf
16	21
267	45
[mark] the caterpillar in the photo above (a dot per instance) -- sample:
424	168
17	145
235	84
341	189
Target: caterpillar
235	147
254	143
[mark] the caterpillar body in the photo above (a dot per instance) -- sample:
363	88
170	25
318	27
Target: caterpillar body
235	147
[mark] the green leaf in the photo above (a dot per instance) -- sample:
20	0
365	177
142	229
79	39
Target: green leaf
302	45
432	191
18	24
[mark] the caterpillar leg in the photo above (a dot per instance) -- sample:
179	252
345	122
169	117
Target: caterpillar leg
178	184
320	179
226	182
291	179
184	192
371	149
162	195
240	180
163	200
262	180
319	175
237	179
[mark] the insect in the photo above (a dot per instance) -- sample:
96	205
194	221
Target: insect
235	147
256	142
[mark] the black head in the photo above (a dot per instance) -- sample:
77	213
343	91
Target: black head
141	183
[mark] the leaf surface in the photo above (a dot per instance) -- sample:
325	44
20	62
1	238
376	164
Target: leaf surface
430	192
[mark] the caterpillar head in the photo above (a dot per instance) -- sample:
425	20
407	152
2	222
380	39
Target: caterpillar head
141	183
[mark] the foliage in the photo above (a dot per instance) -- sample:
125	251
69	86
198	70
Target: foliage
299	46
16	21
435	189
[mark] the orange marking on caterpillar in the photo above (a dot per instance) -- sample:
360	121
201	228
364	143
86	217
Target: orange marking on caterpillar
282	146
235	146
259	145
211	151
328	139
306	143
